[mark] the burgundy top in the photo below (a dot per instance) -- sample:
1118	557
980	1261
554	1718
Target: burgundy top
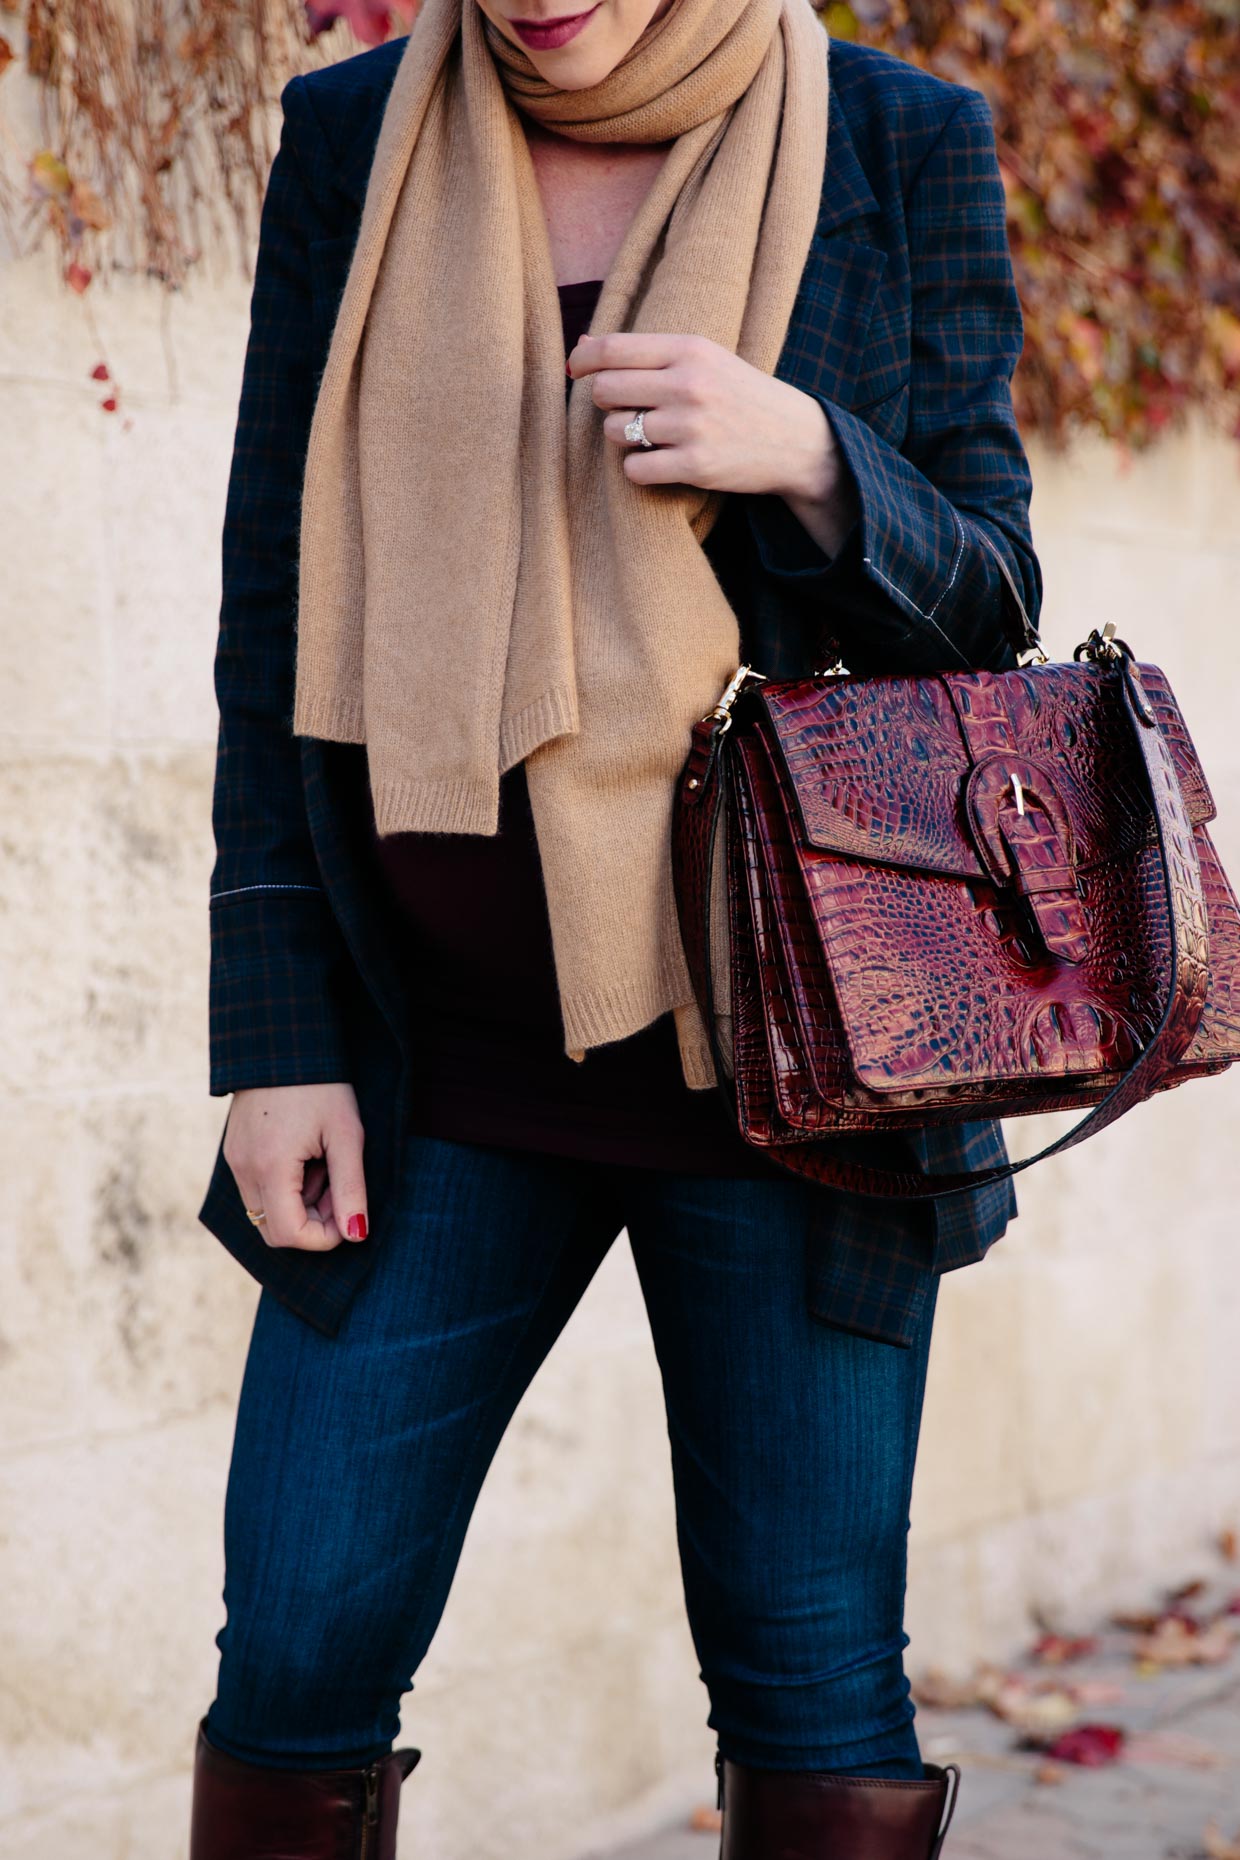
489	1059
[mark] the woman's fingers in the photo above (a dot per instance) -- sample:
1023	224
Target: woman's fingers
289	1222
342	1147
713	420
628	348
250	1191
639	387
314	1181
663	426
317	1204
296	1155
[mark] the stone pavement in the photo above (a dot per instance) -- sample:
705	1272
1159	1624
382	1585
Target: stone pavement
1179	1772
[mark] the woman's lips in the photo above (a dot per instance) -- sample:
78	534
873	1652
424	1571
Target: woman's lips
548	35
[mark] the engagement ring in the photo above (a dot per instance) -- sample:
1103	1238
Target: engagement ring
635	432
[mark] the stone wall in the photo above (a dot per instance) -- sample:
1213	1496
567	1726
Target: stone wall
1082	1437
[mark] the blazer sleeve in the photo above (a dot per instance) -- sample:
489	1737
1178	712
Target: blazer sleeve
275	946
912	588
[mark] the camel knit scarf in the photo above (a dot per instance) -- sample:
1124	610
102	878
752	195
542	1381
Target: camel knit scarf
479	580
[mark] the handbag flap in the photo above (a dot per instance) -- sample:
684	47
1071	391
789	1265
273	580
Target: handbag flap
878	768
977	854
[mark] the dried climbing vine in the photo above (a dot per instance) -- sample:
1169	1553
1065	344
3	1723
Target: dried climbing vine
154	128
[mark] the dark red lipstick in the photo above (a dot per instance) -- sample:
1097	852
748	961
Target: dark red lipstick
547	35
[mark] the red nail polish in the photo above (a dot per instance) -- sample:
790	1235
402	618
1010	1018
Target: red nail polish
356	1229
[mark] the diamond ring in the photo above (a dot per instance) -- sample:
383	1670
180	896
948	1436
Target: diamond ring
635	432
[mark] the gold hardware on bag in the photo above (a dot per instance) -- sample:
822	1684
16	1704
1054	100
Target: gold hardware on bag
1103	648
722	713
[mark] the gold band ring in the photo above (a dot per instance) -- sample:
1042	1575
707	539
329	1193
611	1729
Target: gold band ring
256	1215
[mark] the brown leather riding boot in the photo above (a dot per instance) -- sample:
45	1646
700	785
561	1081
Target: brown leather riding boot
243	1811
814	1815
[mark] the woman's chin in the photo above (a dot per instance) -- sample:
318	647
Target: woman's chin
575	67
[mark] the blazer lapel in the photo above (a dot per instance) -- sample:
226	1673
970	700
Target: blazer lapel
826	345
846	194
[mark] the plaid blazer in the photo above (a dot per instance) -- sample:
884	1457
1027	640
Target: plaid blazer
906	329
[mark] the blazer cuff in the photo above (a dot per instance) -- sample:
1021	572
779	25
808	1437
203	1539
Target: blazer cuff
907	539
788	553
912	542
273	1012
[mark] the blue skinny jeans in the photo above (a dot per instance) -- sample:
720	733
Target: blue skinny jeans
357	1460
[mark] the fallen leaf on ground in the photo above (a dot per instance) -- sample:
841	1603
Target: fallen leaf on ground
1090	1745
1136	1621
1049	1773
1058	1649
1229	1545
1037	1714
1174	1642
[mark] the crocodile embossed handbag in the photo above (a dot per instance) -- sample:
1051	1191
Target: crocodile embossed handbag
967	895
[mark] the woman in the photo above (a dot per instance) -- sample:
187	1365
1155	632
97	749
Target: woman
466	627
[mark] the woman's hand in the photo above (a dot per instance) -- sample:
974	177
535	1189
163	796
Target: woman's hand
296	1152
719	423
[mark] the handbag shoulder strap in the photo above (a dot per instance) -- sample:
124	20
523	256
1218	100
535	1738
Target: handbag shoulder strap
1186	990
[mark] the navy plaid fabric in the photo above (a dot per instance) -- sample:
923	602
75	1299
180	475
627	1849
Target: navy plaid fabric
906	330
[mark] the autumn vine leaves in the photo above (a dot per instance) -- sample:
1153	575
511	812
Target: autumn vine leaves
1118	124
